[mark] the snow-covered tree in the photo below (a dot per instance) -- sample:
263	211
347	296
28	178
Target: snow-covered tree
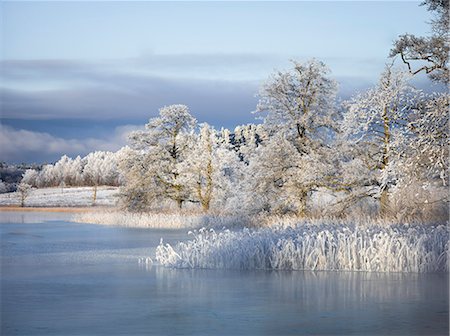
24	190
428	54
301	100
165	145
3	187
210	169
301	119
100	168
30	177
47	177
73	172
246	138
429	158
73	176
422	163
62	170
371	121
138	190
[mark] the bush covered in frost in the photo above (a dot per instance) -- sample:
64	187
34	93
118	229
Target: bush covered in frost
399	248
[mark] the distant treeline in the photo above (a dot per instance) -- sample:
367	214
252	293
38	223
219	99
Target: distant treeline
97	168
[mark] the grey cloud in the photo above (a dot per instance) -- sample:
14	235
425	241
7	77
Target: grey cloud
110	90
135	97
20	145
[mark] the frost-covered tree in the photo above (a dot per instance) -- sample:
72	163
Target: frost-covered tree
138	190
422	163
200	163
62	170
24	190
73	172
301	119
30	177
428	54
429	150
100	168
246	138
370	123
165	145
301	100
3	187
210	169
47	176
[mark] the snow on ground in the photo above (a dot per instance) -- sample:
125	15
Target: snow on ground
396	248
157	220
63	197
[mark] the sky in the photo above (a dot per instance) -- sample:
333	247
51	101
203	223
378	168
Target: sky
79	76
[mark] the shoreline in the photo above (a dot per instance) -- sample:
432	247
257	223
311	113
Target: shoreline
13	208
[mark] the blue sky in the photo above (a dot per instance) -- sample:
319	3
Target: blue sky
77	76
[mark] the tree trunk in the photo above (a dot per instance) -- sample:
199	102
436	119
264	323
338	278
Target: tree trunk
384	198
302	207
205	195
209	184
384	202
205	205
94	196
179	203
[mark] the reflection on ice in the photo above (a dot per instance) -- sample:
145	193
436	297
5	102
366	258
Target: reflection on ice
30	217
306	302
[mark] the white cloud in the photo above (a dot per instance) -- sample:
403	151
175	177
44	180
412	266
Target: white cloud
19	145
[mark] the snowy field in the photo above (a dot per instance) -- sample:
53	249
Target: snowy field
395	248
63	197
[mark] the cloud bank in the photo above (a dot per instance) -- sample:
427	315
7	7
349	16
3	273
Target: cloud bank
20	145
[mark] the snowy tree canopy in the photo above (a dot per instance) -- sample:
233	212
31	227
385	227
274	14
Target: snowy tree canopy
301	120
301	100
165	144
96	168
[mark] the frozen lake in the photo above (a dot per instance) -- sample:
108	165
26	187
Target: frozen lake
63	278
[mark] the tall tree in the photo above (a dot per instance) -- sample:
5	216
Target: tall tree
100	169
210	169
300	106
369	124
165	144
